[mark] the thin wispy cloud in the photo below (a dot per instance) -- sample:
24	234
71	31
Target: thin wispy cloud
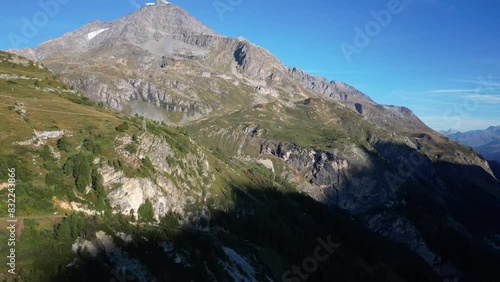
452	91
486	82
465	93
457	93
425	101
489	99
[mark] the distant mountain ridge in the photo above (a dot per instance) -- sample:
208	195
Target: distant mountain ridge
476	138
486	141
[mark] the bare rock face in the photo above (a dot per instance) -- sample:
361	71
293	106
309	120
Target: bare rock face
349	179
105	244
256	63
128	194
188	181
148	92
335	89
386	116
403	231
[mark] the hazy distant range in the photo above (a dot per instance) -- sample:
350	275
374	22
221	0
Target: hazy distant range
486	142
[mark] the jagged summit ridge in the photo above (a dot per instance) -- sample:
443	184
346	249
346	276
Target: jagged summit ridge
165	19
146	28
154	36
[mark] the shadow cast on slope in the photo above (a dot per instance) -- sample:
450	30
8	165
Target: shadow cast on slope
495	167
454	207
273	230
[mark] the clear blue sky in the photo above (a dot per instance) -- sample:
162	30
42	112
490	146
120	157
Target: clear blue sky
439	58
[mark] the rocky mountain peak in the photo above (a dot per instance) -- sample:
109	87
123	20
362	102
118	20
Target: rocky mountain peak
153	27
165	18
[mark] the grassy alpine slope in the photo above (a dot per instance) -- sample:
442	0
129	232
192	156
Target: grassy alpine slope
63	197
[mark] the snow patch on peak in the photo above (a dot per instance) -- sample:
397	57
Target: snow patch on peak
95	33
158	2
